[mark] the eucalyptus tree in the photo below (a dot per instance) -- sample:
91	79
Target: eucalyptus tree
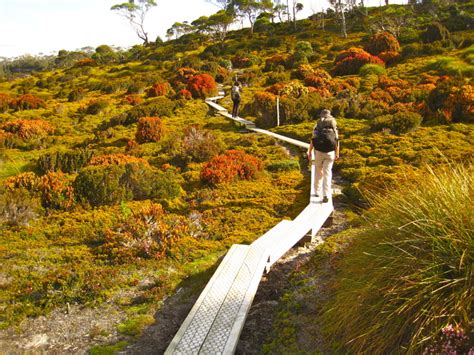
135	12
340	7
250	9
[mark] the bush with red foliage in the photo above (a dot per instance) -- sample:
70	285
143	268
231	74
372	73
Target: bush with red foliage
201	86
132	100
385	82
27	102
349	61
381	96
159	89
233	164
86	62
28	129
5	102
382	42
149	129
116	159
184	94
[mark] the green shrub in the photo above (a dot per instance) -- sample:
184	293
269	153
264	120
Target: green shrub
371	69
400	122
18	207
200	145
283	165
67	162
95	107
435	32
112	184
408	271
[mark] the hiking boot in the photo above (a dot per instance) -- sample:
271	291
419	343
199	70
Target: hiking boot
325	199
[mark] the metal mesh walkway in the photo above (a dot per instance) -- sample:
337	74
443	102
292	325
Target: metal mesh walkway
214	323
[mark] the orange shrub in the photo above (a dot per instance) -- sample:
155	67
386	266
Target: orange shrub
159	89
56	191
323	92
381	96
86	62
229	166
201	85
27	102
6	139
276	60
459	107
240	61
390	57
54	188
382	42
184	74
28	129
318	78
116	159
5	102
350	61
185	94
26	180
132	100
385	82
149	129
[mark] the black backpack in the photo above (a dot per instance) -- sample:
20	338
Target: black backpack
324	137
235	92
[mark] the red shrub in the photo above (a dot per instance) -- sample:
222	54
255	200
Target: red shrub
275	89
27	102
229	166
132	100
202	85
159	89
149	129
28	129
5	102
116	159
350	61
382	42
184	94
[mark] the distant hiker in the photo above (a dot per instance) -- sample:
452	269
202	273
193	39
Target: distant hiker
235	95
325	141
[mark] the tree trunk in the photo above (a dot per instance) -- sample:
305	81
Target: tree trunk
343	19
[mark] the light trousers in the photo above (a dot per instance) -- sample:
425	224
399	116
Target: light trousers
323	172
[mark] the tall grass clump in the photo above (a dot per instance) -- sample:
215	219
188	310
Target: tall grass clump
408	272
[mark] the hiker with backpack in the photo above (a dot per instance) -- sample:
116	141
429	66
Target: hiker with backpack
325	141
235	96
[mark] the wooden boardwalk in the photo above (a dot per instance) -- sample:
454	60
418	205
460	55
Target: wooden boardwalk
214	323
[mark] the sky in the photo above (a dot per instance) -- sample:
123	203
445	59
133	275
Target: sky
46	26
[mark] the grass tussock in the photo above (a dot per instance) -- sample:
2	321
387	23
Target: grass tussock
409	272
